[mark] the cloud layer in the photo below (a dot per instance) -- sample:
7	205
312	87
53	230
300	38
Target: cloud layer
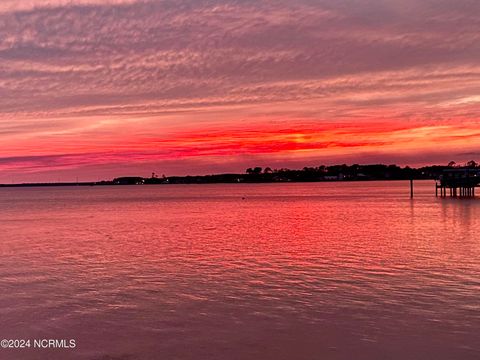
98	85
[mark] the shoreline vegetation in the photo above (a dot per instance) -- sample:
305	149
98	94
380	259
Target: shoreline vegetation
321	173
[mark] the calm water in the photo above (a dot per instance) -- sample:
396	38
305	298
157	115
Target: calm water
293	271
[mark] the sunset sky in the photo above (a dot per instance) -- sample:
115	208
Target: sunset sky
96	89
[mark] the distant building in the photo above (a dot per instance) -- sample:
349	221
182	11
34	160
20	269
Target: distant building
132	180
460	177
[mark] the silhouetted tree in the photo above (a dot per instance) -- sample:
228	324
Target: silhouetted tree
255	171
472	164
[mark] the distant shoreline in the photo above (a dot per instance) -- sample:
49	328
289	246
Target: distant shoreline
258	175
94	184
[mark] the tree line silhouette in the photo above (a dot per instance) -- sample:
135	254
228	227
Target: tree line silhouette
344	172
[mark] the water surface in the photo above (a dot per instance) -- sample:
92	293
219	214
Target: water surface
263	271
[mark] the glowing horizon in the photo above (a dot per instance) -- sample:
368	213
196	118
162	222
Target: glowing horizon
94	89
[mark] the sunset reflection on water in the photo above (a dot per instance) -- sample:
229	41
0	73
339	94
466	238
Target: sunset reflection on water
273	271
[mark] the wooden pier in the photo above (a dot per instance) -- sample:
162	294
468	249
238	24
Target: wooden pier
459	182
